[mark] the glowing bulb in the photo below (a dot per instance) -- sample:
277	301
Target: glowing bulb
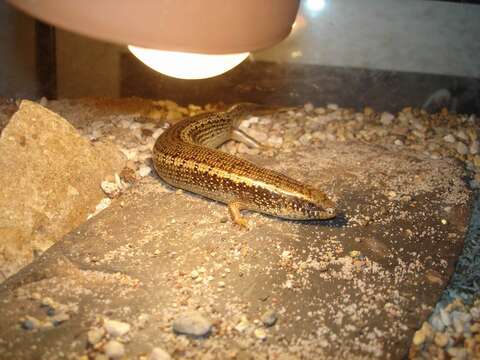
315	5
185	65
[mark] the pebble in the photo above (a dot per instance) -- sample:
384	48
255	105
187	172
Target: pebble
110	188
475	312
116	328
275	140
43	101
398	142
419	338
194	274
462	149
59	318
114	349
386	118
30	323
305	138
143	320
441	339
308	107
95	335
421	335
159	354
437	323
445	317
269	318
192	323
459	320
457	352
260	334
449	138
368	111
144	170
474	147
243	324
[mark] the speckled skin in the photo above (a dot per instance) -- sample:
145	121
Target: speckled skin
184	156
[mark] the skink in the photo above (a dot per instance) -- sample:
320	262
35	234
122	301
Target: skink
184	156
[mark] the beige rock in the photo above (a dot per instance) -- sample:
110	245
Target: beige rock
50	181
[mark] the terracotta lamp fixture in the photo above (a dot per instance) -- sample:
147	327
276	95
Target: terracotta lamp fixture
189	39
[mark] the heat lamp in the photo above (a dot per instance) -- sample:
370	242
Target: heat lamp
189	39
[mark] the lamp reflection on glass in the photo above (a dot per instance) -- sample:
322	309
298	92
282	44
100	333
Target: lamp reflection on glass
315	6
185	65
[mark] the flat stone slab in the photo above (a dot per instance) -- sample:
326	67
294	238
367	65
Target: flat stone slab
49	182
359	285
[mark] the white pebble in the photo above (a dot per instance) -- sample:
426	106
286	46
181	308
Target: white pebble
398	142
386	118
144	170
159	354
114	349
109	188
116	328
449	138
332	106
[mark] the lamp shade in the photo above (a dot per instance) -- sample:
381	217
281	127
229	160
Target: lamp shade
200	26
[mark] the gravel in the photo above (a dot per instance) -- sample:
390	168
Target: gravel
454	327
441	135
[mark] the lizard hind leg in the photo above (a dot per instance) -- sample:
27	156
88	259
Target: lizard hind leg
234	209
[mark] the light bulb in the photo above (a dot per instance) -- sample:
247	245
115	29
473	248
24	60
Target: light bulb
185	65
